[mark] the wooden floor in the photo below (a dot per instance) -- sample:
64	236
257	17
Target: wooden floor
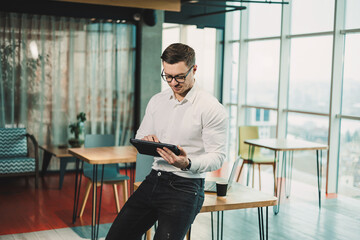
26	213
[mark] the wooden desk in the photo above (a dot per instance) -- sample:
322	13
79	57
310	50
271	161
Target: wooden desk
105	155
99	156
288	146
61	153
238	197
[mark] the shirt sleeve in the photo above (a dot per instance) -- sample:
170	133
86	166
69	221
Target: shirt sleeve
147	125
214	138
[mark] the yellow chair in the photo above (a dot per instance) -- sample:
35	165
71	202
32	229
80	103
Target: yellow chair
252	132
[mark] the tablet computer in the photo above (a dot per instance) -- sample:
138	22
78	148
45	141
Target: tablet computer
149	148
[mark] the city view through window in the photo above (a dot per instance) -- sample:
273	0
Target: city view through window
309	63
251	83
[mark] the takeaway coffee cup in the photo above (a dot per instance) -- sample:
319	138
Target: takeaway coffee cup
221	188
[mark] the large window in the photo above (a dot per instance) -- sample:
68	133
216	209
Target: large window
352	16
349	172
305	76
264	20
310	74
309	16
310	77
308	127
349	164
263	69
205	43
351	82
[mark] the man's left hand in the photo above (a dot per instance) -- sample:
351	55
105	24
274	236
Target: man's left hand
180	161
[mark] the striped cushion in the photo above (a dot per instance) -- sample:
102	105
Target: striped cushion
17	165
13	142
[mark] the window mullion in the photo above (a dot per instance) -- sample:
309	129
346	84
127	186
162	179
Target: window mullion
283	89
243	67
335	99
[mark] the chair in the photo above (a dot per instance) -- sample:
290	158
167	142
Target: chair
111	171
142	169
252	132
143	166
15	159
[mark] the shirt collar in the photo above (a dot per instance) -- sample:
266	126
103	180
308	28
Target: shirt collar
190	96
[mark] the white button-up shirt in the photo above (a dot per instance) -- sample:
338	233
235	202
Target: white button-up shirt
198	124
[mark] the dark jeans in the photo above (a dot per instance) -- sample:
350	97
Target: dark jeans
171	200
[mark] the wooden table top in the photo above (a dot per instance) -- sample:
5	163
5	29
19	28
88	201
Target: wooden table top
286	144
56	151
105	155
238	197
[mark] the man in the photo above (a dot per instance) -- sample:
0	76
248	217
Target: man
186	116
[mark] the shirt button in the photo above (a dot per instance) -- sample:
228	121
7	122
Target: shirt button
159	174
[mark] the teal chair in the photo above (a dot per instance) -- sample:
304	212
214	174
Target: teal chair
111	171
143	168
15	159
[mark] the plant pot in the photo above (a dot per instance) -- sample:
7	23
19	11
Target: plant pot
75	142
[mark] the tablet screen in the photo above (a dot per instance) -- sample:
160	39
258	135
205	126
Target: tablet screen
149	148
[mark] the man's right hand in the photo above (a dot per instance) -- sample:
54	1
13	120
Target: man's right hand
151	138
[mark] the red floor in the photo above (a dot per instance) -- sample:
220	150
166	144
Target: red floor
26	209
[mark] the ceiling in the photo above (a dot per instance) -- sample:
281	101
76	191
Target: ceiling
168	5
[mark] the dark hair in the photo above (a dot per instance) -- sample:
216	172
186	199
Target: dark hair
178	52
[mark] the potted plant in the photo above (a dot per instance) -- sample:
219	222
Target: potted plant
77	129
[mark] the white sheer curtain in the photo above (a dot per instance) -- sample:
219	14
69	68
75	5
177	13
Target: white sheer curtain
53	68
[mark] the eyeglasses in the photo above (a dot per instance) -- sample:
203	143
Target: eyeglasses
179	79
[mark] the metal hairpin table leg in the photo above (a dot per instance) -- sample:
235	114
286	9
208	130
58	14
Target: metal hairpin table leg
276	208
261	225
248	168
288	169
212	226
319	173
99	210
278	180
267	223
93	202
77	189
250	158
263	233
222	225
219	225
132	177
46	160
95	216
76	186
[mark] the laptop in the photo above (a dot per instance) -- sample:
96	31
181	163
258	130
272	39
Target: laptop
210	186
